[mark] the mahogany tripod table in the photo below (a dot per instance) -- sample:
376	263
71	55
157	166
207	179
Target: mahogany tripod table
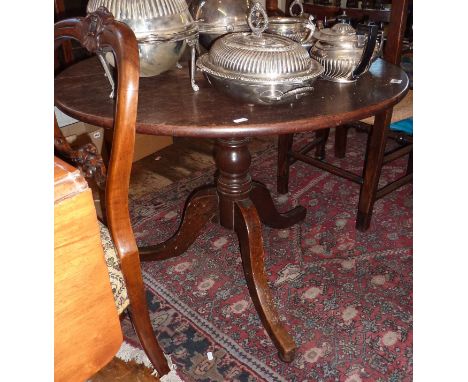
167	105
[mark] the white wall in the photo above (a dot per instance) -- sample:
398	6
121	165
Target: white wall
282	5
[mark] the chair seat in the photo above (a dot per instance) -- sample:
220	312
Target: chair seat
404	126
116	278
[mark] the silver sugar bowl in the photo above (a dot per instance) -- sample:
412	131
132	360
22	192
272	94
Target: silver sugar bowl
297	28
218	17
259	68
344	54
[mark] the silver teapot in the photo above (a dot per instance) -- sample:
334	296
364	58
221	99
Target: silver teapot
297	27
344	54
218	17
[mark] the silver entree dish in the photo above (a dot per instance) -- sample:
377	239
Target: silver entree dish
260	68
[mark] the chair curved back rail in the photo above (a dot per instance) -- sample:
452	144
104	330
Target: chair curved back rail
100	33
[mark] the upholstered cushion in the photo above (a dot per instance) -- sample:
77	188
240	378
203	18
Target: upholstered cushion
405	126
115	274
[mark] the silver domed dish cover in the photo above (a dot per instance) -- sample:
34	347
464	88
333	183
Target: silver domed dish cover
163	28
218	17
258	67
297	28
344	54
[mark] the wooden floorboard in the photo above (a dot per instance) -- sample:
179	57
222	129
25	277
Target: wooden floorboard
120	371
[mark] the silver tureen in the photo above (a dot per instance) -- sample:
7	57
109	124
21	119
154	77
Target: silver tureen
163	29
344	54
218	17
258	67
297	28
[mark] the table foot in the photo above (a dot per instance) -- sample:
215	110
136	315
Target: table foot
201	207
249	231
267	211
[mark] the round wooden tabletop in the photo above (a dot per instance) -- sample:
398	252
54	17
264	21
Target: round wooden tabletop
167	105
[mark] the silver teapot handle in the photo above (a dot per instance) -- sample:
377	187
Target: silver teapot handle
268	97
367	52
297	93
301	7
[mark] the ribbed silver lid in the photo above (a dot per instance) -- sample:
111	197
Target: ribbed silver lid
262	57
151	20
341	32
220	16
259	57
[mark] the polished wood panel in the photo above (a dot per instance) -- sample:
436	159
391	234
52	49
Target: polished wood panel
168	105
87	331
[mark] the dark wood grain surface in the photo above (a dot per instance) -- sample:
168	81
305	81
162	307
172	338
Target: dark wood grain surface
168	106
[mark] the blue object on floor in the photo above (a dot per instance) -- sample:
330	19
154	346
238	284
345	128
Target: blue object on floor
405	125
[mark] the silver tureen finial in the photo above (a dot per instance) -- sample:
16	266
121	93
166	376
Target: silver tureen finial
258	19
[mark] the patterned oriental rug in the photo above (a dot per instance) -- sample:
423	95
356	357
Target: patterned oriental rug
345	296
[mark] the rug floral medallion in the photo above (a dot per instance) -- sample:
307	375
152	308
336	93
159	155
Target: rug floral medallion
344	295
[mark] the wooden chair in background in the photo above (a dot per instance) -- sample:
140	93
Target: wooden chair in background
99	33
373	163
69	52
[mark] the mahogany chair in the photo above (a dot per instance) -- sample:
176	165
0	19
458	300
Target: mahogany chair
100	33
369	191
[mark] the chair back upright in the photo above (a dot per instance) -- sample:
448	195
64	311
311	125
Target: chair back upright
396	31
100	33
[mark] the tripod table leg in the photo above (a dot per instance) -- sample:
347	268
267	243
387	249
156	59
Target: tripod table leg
200	208
267	211
248	228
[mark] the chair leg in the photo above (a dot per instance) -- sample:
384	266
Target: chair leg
341	137
284	146
322	137
409	166
140	316
372	169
